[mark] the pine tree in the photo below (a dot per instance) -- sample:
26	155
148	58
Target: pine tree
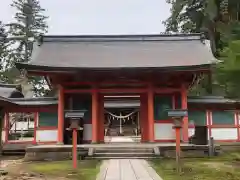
3	46
29	24
4	52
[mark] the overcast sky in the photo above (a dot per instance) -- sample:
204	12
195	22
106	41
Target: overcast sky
100	16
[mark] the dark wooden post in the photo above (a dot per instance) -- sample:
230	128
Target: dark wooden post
74	149
144	118
211	147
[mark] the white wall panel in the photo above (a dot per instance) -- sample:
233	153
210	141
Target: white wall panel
224	133
3	135
46	135
164	131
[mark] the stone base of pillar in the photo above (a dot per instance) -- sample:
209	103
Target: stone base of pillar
60	143
94	142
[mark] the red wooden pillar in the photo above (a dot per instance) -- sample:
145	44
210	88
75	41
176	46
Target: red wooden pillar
144	118
35	127
6	124
185	119
150	103
101	119
94	116
60	114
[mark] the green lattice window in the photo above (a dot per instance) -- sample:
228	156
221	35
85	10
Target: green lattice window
48	119
162	103
223	117
197	117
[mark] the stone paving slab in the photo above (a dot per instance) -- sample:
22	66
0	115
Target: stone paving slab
127	169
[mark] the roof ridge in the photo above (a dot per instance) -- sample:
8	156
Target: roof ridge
126	37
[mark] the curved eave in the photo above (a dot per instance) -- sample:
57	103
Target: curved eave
5	102
55	69
33	102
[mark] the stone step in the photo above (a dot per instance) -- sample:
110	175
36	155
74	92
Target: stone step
131	147
123	150
123	157
132	154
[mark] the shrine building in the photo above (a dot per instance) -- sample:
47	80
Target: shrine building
122	78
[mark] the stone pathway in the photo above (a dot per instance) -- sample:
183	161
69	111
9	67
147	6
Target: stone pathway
127	169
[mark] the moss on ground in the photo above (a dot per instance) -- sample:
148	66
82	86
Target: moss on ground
87	169
225	167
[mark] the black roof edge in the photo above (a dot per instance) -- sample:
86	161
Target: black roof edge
9	85
31	67
34	99
137	37
201	100
7	100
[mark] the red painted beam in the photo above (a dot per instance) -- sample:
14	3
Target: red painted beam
102	83
76	91
109	90
125	90
166	90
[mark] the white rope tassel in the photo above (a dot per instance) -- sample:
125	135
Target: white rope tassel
120	123
121	117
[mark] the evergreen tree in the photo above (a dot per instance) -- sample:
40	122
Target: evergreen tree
29	24
3	46
220	21
4	50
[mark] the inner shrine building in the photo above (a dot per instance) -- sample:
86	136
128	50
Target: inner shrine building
159	69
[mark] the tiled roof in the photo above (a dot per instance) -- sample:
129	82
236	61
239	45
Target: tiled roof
9	90
124	51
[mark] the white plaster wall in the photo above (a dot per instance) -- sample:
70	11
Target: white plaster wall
224	133
46	135
87	133
164	131
3	135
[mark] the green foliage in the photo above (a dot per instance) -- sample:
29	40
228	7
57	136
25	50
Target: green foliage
219	20
3	46
223	167
28	25
228	71
87	169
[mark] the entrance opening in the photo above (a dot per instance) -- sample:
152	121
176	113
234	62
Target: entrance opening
122	121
